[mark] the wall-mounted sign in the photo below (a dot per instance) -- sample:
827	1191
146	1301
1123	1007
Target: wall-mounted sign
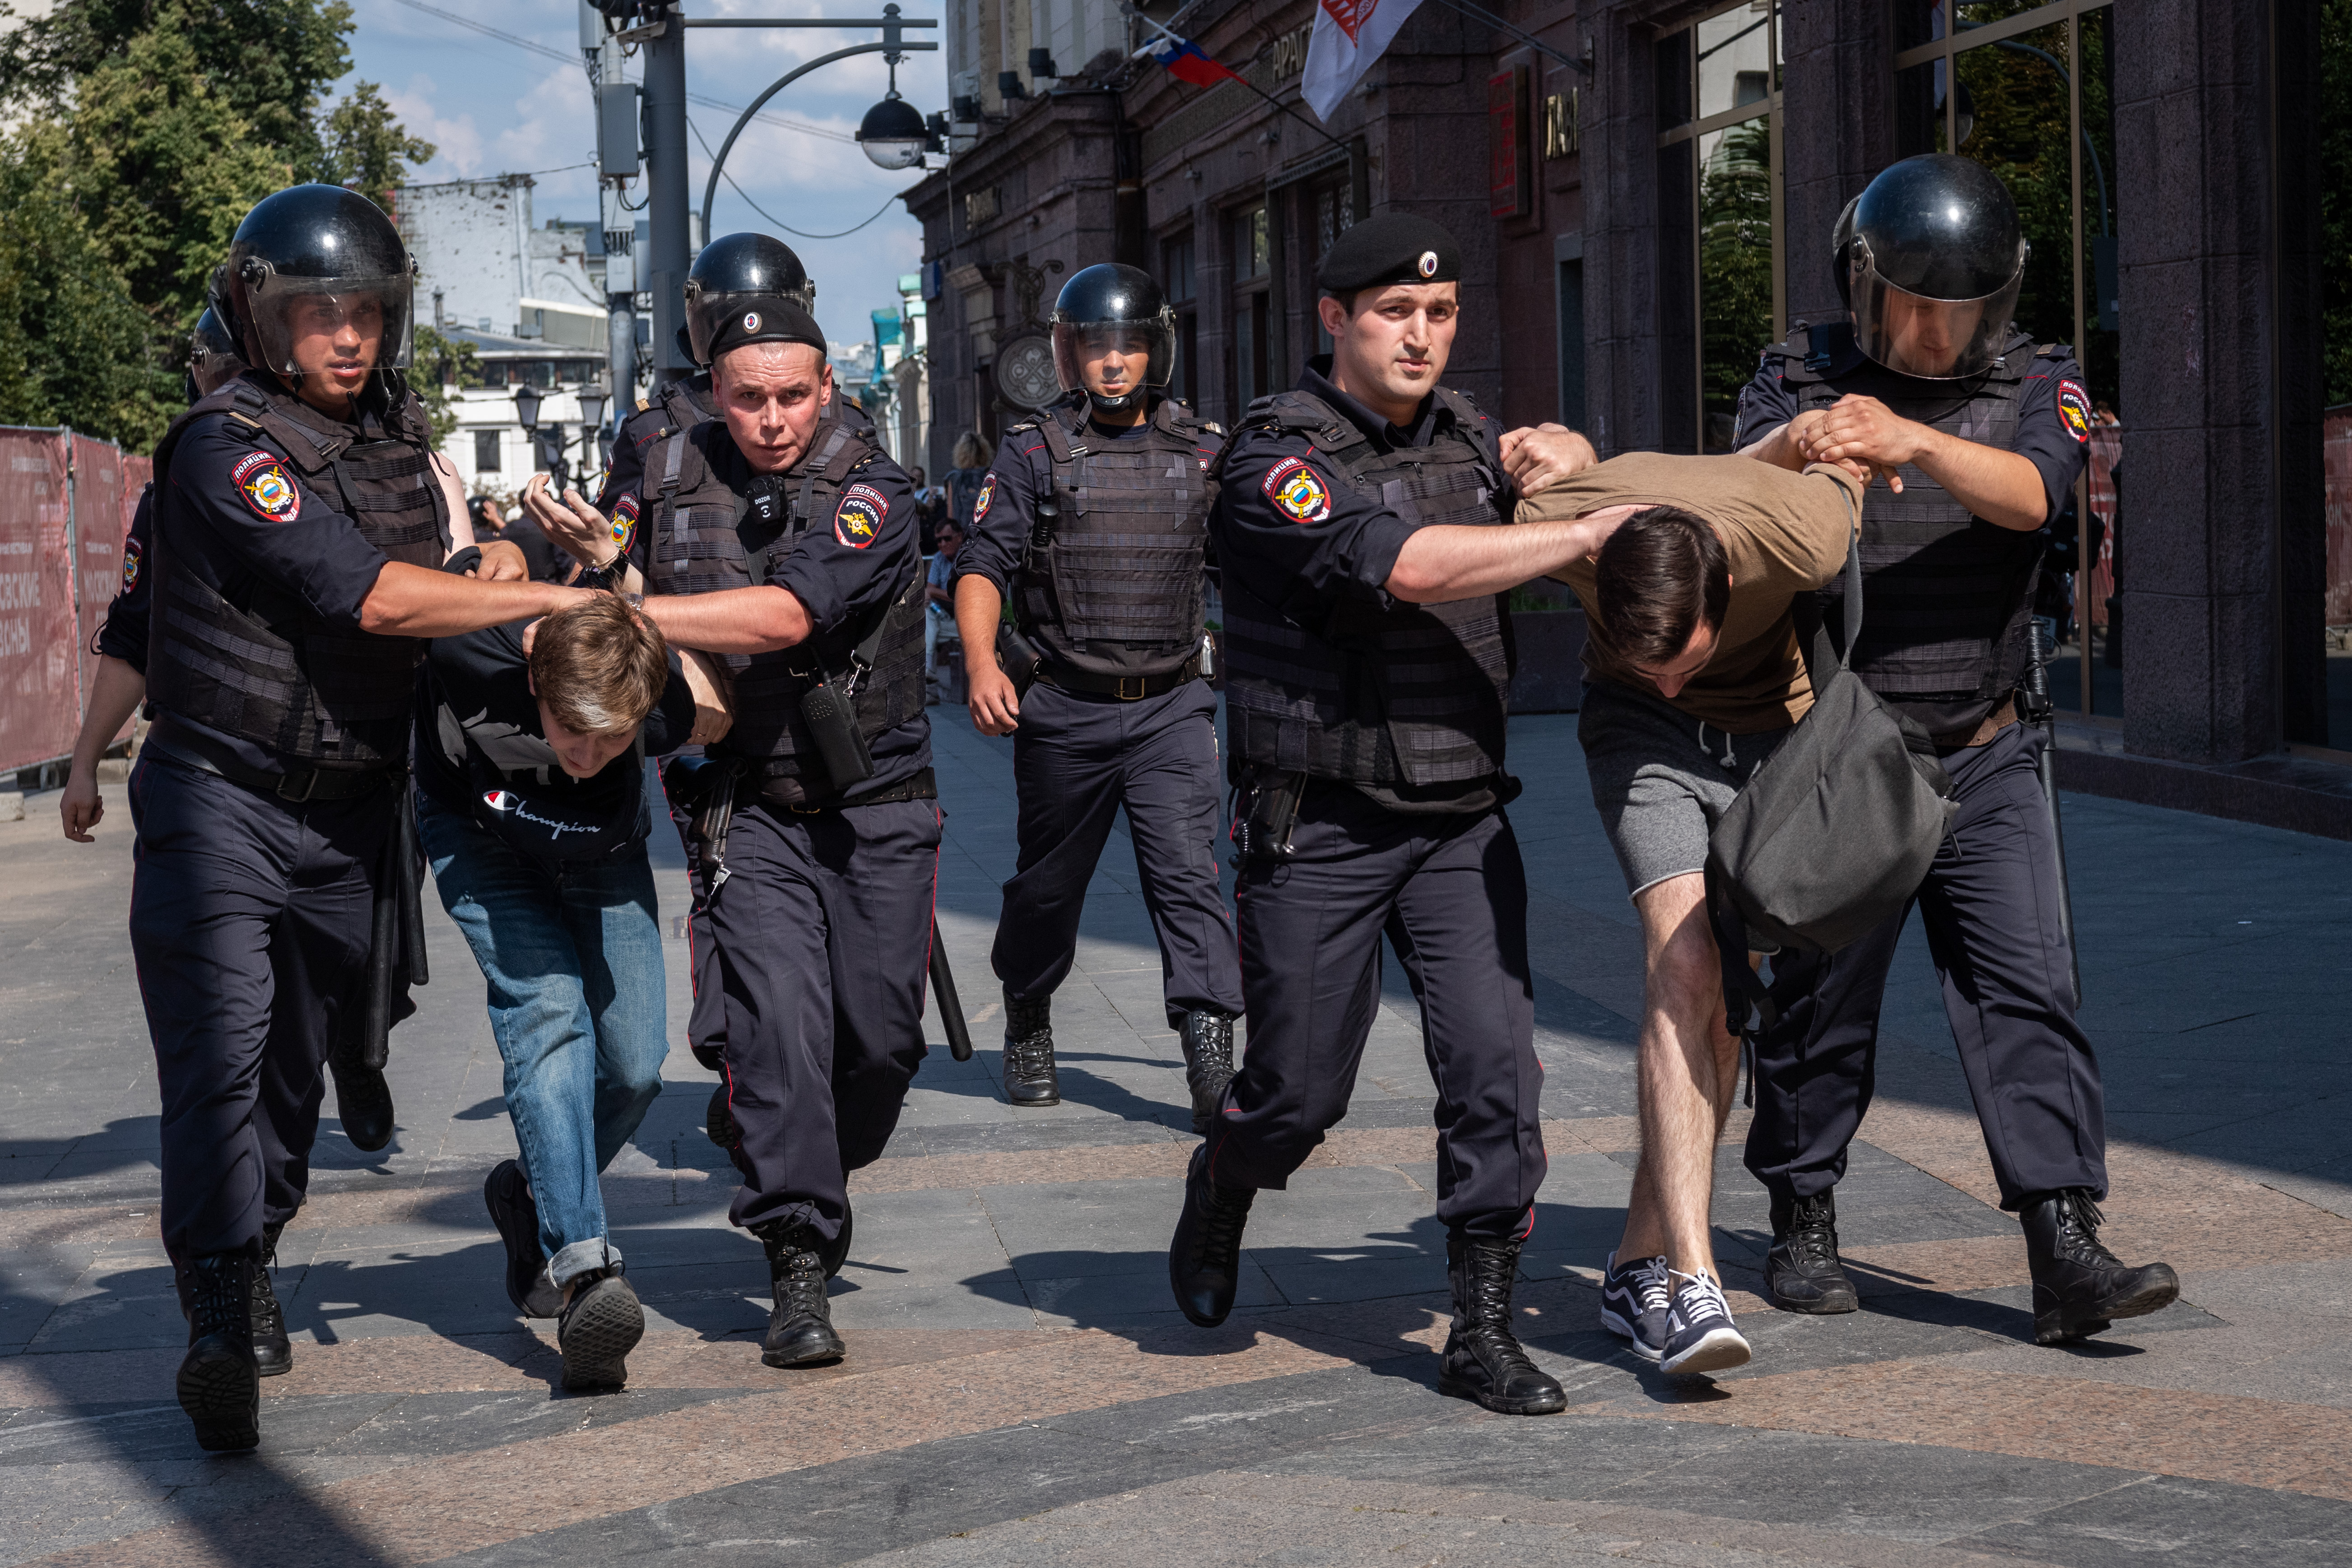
980	207
1509	178
1560	136
1287	52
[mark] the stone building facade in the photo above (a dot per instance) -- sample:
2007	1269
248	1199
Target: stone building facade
1644	190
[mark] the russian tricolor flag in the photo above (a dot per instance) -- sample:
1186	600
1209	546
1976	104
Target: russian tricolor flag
1185	62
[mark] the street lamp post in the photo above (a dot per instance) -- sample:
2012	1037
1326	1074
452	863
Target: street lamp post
592	425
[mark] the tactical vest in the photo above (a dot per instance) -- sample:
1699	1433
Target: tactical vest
1412	694
686	403
273	671
1950	596
1110	581
709	536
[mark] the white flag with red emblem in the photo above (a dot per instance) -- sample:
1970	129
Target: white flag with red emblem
1349	35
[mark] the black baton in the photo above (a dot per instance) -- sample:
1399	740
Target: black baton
944	992
2039	710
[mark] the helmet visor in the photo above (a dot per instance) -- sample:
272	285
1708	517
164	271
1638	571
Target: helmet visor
1112	362
312	326
707	307
1936	340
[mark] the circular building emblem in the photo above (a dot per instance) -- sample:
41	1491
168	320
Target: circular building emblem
1024	371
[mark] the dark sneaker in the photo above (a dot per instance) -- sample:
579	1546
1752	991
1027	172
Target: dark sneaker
2079	1286
364	1100
1801	1273
1205	1259
1634	1301
1484	1359
1208	1063
516	1215
273	1352
219	1384
1699	1333
600	1326
1029	1074
800	1327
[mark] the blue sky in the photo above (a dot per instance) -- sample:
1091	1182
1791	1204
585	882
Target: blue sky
492	107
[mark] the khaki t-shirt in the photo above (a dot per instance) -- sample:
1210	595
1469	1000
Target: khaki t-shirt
1783	534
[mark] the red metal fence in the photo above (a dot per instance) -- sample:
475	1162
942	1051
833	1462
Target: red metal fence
66	504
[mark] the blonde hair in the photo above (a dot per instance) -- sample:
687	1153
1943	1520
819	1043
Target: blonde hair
599	666
969	451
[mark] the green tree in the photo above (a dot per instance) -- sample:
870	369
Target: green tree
1734	266
438	363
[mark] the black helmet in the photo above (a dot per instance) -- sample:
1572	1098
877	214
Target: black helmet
1929	258
213	357
1108	305
309	247
740	272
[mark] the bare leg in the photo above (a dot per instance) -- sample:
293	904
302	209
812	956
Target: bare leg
1689	1065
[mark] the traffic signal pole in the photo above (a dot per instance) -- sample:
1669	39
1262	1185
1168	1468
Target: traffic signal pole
666	202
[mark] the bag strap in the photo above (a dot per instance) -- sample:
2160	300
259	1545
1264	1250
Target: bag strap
1817	647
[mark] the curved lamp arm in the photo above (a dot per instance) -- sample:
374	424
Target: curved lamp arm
710	188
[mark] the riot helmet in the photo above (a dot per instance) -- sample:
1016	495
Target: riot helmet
213	357
738	274
316	259
1929	258
1109	309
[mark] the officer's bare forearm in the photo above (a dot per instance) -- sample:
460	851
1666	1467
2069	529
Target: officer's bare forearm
2001	487
733	620
1448	561
418	602
978	608
115	696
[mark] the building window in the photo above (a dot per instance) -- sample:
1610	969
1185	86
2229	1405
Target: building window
1719	181
2027	110
486	451
1253	250
1253	253
1177	269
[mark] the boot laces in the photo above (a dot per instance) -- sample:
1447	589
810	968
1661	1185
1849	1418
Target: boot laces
1813	1234
1223	1221
2079	1220
1031	1052
1493	1273
797	1271
214	1300
1213	1044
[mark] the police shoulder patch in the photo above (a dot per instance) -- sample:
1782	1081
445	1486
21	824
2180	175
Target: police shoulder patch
130	554
1297	490
987	497
857	522
624	522
2075	409
261	479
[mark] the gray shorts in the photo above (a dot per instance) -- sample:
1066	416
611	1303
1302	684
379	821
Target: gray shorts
1660	779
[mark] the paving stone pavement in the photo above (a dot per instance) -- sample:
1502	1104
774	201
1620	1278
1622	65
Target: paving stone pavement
1020	1391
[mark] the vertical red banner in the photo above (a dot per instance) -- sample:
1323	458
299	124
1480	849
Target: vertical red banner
40	699
107	482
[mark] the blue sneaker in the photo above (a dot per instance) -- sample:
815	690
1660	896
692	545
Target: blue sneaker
1634	1301
1699	1334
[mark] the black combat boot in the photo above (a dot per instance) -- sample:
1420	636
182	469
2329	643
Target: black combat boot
1029	1078
800	1328
1801	1273
273	1352
219	1383
2079	1286
1484	1360
364	1100
1205	1259
1208	1063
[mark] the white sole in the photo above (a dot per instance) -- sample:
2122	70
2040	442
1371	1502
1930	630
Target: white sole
1624	1330
1717	1350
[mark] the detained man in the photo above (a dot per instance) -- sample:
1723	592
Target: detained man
1694	678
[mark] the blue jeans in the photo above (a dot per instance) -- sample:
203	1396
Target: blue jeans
578	1005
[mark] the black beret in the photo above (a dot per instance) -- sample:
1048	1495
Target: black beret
1389	248
766	320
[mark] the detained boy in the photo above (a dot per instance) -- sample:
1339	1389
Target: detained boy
531	809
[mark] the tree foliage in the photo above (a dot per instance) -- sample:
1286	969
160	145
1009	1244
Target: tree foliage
438	363
155	126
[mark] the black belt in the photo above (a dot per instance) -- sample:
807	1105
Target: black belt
922	784
183	745
1126	688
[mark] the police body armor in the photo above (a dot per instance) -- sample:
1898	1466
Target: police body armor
1950	596
1111	582
709	535
1412	694
272	671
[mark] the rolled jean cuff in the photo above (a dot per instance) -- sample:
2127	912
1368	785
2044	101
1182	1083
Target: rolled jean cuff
598	1256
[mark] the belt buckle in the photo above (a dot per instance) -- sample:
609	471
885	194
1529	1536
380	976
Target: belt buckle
802	808
310	778
1137	695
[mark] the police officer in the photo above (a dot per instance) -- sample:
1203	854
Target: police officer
1359	529
1094	520
749	267
1979	435
298	528
785	539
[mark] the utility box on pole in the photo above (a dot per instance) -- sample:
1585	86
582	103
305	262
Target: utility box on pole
617	112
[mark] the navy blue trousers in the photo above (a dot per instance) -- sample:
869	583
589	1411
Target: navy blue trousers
250	922
1077	760
706	1022
1991	908
1451	895
822	936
